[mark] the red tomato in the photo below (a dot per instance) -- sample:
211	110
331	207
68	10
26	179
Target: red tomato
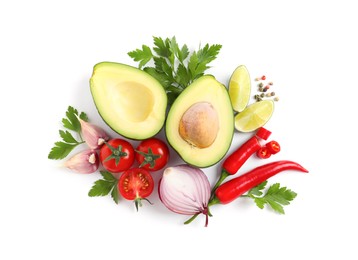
152	154
136	184
117	155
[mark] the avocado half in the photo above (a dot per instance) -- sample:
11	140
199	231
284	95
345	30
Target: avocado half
129	100
200	123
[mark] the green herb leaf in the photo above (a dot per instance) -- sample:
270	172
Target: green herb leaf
143	56
115	194
72	122
163	79
105	186
100	188
84	116
174	67
258	189
61	150
67	137
208	53
276	197
108	176
69	142
163	47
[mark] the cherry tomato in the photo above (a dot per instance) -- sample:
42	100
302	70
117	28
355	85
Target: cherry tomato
117	155
136	184
152	154
273	146
263	153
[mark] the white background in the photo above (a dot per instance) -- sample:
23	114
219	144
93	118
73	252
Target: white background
307	48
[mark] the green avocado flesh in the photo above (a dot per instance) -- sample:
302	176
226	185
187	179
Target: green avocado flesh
129	100
200	123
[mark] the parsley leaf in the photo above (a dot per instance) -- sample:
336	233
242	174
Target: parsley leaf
276	197
67	137
174	66
61	149
105	186
143	56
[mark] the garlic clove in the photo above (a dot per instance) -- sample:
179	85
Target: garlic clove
92	134
83	162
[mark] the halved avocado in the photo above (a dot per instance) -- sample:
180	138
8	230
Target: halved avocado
200	123
129	100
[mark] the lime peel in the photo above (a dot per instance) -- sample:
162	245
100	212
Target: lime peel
254	116
240	88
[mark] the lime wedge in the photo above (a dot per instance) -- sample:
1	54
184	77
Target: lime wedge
240	88
254	116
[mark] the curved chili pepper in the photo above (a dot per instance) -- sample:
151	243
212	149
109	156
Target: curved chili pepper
234	188
234	162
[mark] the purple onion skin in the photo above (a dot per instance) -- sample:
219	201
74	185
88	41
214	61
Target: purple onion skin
185	190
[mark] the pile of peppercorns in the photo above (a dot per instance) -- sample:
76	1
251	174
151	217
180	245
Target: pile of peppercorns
264	90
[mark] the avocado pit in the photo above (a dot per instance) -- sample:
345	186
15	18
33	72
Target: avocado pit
199	125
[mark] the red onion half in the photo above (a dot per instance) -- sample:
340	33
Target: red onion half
185	190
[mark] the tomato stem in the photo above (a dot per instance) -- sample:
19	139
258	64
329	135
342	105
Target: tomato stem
149	158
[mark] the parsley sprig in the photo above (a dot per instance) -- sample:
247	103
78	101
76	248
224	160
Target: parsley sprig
62	148
102	187
174	66
276	197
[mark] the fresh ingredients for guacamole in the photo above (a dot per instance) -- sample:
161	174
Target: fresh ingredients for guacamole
174	66
240	88
263	153
93	135
136	184
69	142
236	187
185	190
171	94
152	154
105	186
254	116
234	162
83	162
200	123
117	155
129	100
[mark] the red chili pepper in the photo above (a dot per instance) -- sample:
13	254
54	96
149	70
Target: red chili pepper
263	153
263	133
234	162
273	147
234	188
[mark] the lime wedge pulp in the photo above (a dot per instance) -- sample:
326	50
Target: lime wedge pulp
240	88
254	116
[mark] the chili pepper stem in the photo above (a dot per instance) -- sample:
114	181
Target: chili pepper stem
214	200
223	176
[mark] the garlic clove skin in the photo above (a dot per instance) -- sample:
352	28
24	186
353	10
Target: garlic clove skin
93	135
83	162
